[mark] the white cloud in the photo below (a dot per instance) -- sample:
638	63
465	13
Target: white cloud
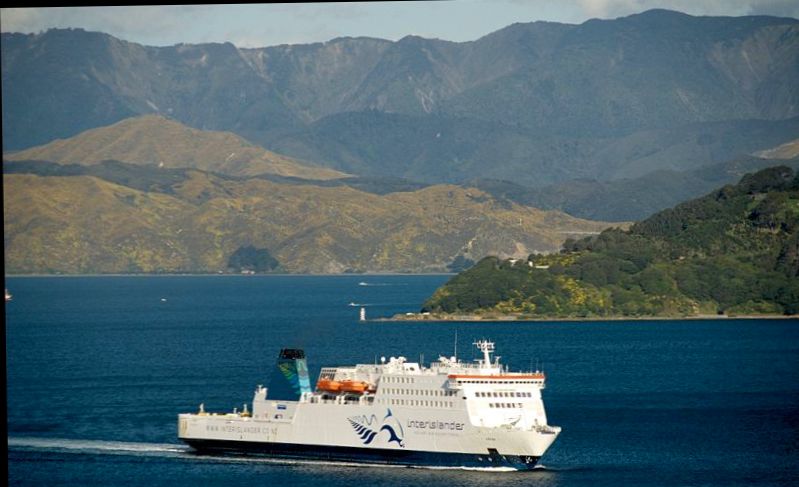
124	22
246	24
258	25
617	8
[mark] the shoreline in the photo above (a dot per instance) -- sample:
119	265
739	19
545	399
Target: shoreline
416	318
281	274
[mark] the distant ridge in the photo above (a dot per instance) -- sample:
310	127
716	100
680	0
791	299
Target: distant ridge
634	198
115	217
154	139
535	103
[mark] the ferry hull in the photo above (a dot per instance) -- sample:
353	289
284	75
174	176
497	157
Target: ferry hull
373	456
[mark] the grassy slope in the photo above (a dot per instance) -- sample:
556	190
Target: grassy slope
152	139
83	224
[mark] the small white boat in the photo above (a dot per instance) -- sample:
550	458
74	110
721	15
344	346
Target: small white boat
8	295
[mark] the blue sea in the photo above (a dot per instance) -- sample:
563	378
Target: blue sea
99	367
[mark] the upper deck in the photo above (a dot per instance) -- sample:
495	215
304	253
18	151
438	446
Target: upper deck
450	373
483	392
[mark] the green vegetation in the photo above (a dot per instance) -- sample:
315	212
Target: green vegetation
115	217
734	251
460	264
252	259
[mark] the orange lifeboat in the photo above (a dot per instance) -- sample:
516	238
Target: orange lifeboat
354	386
328	385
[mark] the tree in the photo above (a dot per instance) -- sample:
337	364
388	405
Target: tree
249	258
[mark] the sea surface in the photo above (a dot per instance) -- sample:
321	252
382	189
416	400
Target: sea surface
99	367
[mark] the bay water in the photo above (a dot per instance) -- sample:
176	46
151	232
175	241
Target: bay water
99	367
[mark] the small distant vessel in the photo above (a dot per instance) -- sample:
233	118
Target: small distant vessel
450	414
8	295
362	283
353	303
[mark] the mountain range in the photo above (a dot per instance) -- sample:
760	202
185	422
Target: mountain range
534	103
150	195
367	155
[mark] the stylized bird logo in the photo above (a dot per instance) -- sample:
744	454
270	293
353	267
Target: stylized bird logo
366	432
390	424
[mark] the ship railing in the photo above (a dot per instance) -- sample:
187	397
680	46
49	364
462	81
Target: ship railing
459	365
343	399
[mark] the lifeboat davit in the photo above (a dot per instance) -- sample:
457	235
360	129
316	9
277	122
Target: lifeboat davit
354	386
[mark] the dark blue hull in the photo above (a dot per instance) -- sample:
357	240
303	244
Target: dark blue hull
375	456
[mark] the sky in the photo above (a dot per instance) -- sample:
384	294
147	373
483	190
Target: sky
260	25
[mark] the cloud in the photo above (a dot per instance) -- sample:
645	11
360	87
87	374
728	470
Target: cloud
124	22
245	24
607	9
18	19
778	8
258	25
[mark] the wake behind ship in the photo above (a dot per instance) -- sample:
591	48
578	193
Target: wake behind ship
450	414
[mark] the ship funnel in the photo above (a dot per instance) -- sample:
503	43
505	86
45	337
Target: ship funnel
290	378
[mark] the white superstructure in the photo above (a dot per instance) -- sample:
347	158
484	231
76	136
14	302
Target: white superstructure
448	414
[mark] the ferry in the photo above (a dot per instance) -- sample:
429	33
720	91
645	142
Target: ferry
473	415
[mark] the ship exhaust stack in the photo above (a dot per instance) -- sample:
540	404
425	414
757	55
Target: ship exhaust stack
290	378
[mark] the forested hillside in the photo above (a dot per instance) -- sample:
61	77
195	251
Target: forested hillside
733	251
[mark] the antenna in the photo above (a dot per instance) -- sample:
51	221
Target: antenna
486	347
455	353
